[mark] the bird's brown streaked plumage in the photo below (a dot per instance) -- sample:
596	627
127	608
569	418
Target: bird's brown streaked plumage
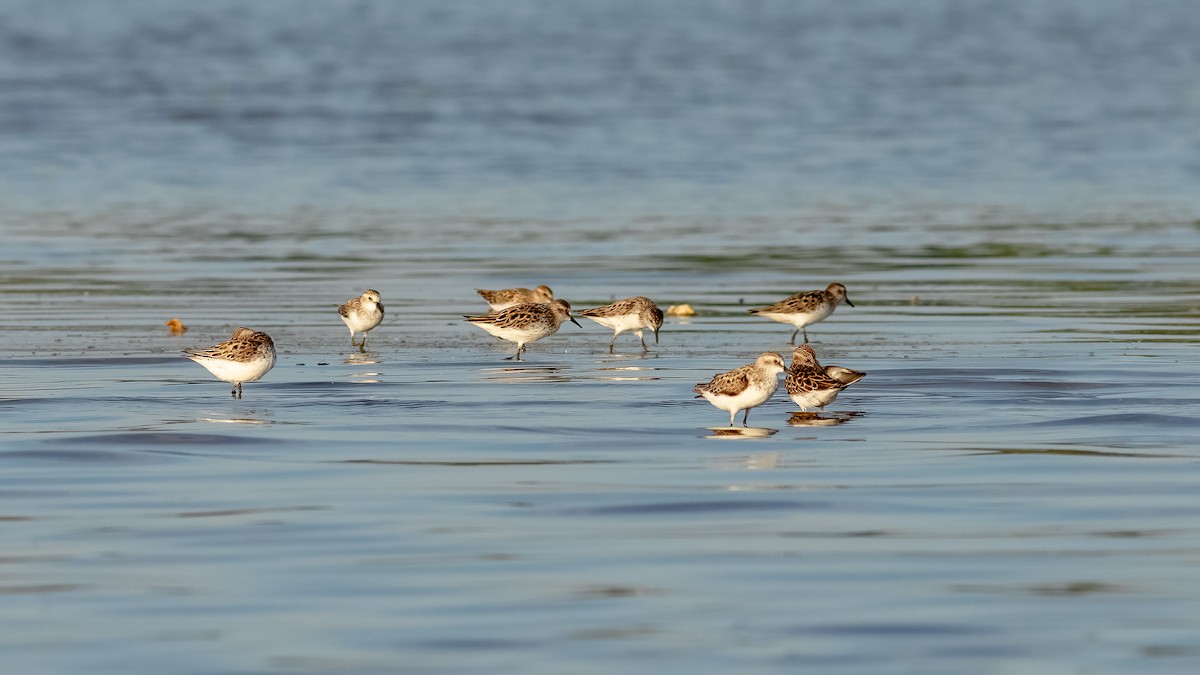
635	314
743	388
731	383
812	385
846	376
245	357
525	323
507	297
804	309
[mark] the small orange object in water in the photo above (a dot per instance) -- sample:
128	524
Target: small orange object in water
177	327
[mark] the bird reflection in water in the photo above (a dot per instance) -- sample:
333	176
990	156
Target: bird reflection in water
741	432
813	419
630	356
363	359
527	374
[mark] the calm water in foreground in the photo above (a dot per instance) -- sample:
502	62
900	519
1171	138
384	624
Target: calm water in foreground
1007	190
1009	490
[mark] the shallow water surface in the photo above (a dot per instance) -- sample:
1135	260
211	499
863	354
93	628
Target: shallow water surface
1006	189
1009	482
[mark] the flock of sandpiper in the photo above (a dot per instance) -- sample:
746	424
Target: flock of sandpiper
524	316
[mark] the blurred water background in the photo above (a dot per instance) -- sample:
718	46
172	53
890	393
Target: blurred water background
1008	190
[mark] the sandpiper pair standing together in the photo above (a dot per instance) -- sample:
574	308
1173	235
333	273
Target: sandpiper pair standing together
523	316
809	384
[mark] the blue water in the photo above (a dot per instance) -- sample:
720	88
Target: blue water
1007	189
538	106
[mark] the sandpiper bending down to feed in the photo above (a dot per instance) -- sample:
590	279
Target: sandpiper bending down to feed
630	314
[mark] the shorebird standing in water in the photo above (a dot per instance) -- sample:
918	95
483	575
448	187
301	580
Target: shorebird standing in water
812	386
525	323
361	314
244	357
805	309
744	388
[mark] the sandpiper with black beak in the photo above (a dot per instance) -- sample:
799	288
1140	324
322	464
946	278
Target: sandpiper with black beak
805	309
525	323
634	314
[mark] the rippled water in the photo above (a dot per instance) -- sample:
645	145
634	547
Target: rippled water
1008	490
